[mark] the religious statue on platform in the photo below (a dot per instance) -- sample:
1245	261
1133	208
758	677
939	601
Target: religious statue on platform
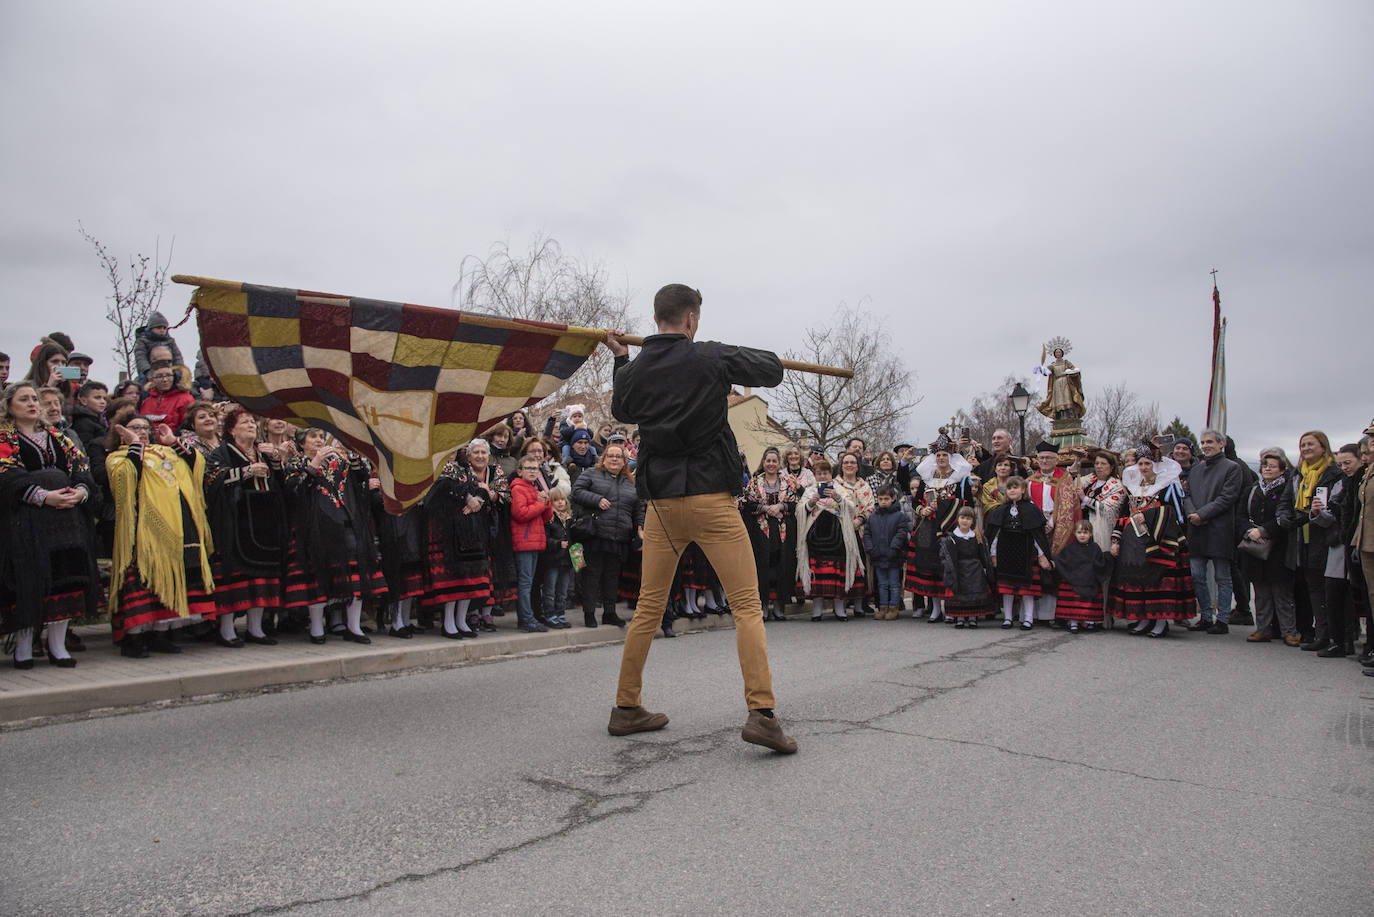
1064	383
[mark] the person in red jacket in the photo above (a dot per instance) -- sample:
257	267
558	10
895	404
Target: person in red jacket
165	403
529	510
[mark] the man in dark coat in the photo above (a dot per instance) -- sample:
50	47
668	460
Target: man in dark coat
1210	498
689	472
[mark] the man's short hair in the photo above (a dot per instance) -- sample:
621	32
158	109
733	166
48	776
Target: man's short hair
855	439
673	302
4	358
90	385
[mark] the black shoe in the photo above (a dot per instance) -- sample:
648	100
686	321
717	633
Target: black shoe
351	637
403	632
66	662
959	623
25	664
1026	625
613	619
133	646
455	635
1200	624
1162	633
588	620
260	641
161	642
1314	645
1219	627
490	626
972	622
1366	659
235	644
318	641
668	631
1006	625
1334	651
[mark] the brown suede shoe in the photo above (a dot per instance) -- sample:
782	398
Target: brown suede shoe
637	719
1293	640
1258	636
767	731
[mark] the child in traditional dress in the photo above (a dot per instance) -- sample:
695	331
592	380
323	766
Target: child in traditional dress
1020	550
968	569
1081	568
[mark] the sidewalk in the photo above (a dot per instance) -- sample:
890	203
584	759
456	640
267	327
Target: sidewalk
104	679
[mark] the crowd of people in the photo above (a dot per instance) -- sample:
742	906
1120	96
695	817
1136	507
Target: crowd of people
209	516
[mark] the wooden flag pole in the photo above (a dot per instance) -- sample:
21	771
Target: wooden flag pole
492	321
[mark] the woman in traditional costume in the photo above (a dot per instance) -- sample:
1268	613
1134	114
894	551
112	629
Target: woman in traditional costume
1153	584
794	463
243	494
861	495
458	549
1103	494
333	529
829	555
993	492
161	573
769	503
496	511
47	571
944	487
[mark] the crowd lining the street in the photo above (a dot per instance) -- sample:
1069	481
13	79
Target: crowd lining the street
209	514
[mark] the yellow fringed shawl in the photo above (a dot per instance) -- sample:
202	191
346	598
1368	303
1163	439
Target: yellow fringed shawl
148	520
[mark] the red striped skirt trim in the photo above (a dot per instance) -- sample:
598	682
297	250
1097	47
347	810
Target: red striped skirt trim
236	594
827	580
62	606
412	582
966	609
1172	600
1035	587
1070	606
455	589
139	606
930	585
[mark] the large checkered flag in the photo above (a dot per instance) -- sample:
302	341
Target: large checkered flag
403	385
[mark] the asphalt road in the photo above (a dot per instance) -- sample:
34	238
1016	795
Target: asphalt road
941	771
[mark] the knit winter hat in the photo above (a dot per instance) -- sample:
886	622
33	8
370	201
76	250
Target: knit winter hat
157	318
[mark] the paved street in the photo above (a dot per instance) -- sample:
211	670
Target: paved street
941	772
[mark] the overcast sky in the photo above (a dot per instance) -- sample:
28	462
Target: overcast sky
982	175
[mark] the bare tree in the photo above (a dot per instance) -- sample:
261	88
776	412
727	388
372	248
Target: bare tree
546	285
1117	419
828	411
133	297
992	410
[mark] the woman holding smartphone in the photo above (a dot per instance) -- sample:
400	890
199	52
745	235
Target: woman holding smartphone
1307	495
829	558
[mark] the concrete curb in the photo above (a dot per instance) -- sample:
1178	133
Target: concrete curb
106	680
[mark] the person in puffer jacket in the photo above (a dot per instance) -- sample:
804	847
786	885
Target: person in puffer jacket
151	335
529	510
885	538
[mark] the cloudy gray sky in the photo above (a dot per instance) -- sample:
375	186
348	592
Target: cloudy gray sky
981	175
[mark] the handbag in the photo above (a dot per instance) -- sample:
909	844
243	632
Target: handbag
1260	550
582	528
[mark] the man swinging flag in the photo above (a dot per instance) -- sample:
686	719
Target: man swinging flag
1216	397
402	385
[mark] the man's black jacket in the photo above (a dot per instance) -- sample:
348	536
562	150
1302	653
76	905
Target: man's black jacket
676	391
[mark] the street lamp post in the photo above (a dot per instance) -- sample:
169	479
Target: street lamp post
1020	403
